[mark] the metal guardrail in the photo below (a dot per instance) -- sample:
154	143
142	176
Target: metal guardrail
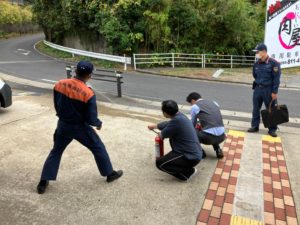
112	76
113	58
173	59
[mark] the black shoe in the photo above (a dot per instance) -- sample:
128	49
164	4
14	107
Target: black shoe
42	186
272	133
219	153
115	175
253	129
203	154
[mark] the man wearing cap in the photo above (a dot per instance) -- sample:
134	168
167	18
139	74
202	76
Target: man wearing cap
75	106
266	73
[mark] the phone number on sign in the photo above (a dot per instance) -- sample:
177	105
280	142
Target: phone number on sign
290	61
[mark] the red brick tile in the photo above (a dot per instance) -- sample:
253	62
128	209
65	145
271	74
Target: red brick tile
271	144
225	219
284	176
238	155
267	173
235	167
268	206
266	160
266	150
277	193
276	177
213	221
281	163
273	154
287	191
290	211
211	194
203	215
274	165
240	146
267	187
223	183
232	180
220	164
229	198
219	200
226	145
279	214
230	157
216	178
227	169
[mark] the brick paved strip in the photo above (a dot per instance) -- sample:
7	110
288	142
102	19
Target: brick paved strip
279	206
218	203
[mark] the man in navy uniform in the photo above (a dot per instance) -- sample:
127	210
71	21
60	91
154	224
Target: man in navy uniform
266	72
75	105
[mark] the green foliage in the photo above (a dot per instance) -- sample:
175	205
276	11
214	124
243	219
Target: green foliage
14	14
133	26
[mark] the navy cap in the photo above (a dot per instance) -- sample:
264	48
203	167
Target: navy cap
84	67
260	47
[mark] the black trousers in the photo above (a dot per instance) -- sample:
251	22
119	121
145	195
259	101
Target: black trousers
177	165
209	139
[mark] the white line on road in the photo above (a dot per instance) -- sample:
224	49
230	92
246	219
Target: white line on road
51	81
25	61
23	51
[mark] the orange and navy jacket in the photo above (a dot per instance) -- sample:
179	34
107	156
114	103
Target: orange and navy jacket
75	102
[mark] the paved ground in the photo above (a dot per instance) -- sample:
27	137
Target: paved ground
143	196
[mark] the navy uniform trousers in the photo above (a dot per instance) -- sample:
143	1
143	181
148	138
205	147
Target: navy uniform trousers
84	134
261	95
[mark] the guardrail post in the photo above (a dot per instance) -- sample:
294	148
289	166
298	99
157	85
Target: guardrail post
173	63
203	60
134	64
69	71
231	63
119	83
125	64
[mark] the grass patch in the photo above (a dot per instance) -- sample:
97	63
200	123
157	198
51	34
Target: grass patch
68	57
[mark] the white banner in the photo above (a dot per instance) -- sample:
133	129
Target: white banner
282	35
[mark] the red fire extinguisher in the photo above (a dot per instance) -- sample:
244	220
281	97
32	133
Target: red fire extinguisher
159	146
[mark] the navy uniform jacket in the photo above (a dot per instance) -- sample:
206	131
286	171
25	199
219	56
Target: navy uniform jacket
75	102
267	73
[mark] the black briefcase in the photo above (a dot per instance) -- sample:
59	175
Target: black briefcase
275	115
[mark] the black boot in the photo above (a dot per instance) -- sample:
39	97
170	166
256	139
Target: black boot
42	186
272	133
253	130
115	175
219	153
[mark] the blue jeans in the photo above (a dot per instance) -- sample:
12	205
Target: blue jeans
84	134
261	95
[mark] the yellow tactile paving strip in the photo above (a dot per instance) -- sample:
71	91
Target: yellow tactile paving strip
237	220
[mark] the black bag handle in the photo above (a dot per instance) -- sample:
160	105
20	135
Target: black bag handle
270	106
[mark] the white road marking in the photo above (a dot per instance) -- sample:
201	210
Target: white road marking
51	81
25	61
23	51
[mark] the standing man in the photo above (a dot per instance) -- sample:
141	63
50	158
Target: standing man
75	105
186	151
266	72
212	128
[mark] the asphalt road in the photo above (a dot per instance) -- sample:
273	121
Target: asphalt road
18	57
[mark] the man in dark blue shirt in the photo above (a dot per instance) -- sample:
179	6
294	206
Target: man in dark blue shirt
75	106
186	151
266	72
